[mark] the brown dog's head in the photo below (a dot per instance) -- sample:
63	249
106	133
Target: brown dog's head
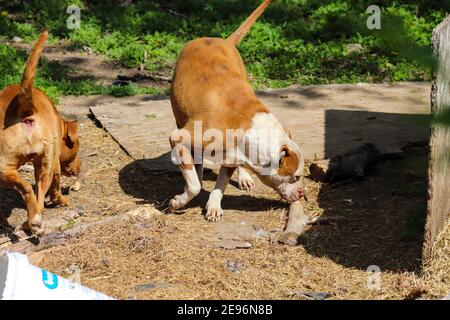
70	162
279	160
287	178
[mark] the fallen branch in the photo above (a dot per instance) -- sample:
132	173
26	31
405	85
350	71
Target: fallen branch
144	76
352	164
298	223
31	244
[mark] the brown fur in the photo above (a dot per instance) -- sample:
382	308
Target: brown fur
210	85
289	163
31	130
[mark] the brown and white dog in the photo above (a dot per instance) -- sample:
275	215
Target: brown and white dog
210	87
31	130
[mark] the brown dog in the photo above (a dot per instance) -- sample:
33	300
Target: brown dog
211	94
31	130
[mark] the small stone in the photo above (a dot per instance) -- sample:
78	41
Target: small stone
88	50
233	266
76	186
26	168
71	214
313	295
354	47
233	244
17	39
152	286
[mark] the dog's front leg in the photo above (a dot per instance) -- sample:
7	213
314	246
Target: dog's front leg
12	180
214	210
185	161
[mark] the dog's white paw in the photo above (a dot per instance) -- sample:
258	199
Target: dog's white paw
246	181
213	212
177	202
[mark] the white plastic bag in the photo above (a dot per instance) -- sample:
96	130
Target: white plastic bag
19	280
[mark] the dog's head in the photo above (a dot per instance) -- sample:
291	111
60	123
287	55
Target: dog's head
70	162
287	176
280	164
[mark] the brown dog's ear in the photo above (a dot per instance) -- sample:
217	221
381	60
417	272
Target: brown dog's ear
70	133
289	162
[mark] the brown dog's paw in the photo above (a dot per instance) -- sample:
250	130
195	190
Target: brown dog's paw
36	226
61	201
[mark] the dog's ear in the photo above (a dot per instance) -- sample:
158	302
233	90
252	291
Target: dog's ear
289	162
70	133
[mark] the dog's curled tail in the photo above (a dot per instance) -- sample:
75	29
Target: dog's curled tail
237	36
30	69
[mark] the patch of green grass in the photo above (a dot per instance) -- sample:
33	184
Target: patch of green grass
132	90
294	42
53	78
69	225
150	116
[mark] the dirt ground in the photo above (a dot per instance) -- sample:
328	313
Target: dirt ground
370	222
172	256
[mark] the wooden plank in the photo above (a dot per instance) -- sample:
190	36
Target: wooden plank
439	171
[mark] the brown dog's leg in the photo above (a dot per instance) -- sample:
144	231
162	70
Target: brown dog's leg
214	210
12	180
56	196
43	175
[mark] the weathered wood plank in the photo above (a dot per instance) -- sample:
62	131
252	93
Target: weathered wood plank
439	171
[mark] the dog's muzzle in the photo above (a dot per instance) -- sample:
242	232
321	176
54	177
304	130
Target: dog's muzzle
292	192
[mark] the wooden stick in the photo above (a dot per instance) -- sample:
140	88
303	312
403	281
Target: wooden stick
297	224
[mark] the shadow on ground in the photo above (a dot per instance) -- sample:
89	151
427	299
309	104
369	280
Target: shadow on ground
380	220
9	200
143	180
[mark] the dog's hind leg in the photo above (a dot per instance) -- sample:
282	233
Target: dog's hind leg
43	174
182	156
214	210
12	180
56	196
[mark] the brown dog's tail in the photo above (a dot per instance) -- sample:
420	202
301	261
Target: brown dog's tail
237	36
30	69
